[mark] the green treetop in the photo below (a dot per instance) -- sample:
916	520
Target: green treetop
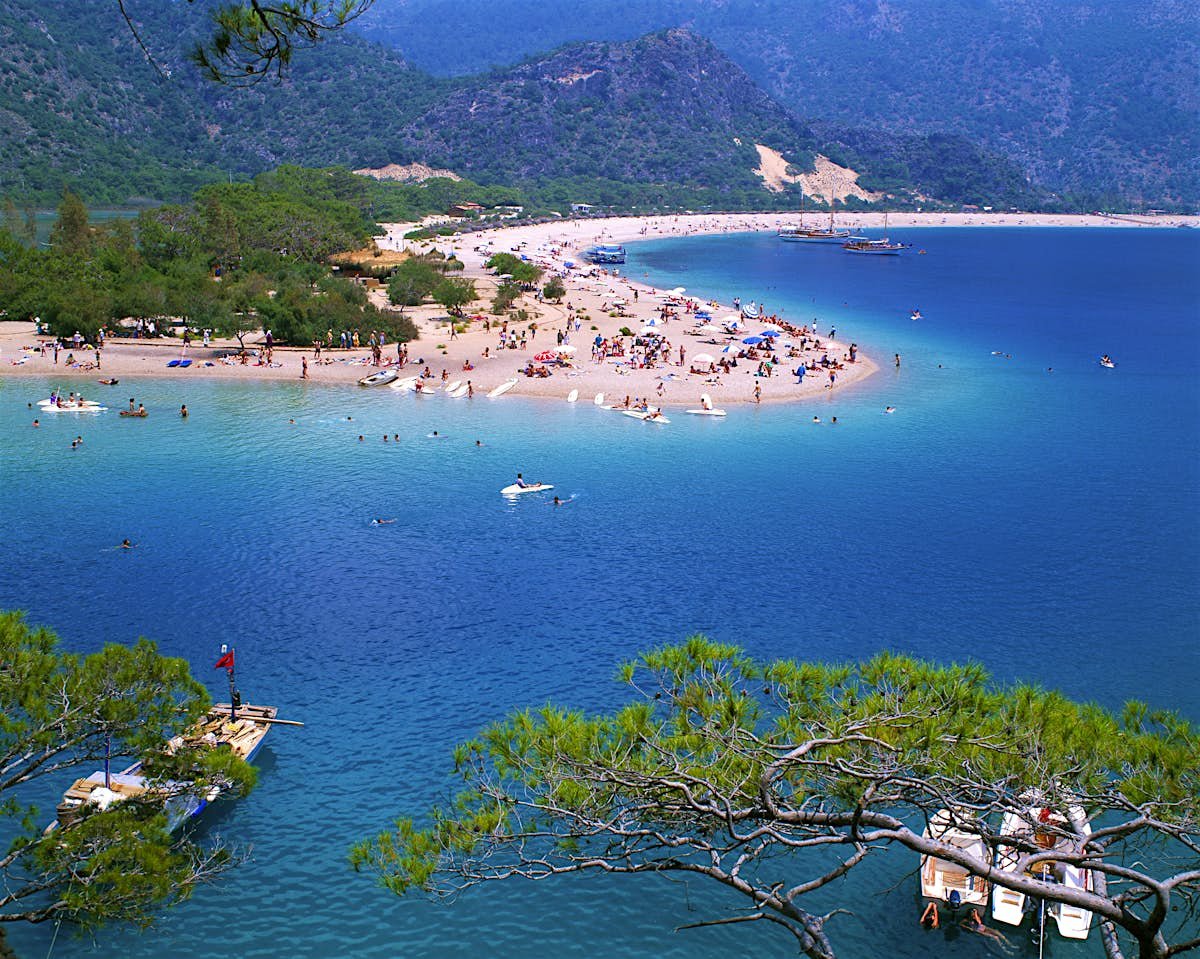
59	712
773	779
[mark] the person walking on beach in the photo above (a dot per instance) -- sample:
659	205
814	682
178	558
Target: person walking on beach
757	392
303	368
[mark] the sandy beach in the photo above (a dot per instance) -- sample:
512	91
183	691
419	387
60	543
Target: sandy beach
599	302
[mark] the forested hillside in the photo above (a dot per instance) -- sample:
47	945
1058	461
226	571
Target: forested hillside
665	120
1091	100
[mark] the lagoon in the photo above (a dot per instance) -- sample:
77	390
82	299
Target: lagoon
1023	507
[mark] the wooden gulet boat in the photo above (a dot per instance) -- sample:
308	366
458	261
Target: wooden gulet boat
236	726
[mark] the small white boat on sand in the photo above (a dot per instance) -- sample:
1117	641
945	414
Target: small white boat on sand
379	378
403	384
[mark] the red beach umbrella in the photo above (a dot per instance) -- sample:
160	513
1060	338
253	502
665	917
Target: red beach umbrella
546	356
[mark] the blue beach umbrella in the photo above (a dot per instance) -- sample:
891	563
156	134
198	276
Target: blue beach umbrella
753	339
771	333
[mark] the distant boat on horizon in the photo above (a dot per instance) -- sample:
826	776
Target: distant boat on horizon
803	234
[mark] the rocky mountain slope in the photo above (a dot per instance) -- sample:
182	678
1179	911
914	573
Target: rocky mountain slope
1089	99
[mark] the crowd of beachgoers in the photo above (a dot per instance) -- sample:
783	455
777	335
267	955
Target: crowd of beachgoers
609	333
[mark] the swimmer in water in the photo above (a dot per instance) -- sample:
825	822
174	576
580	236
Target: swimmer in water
381	522
479	442
816	419
125	544
889	409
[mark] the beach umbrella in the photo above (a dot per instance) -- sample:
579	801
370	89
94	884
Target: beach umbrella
566	350
770	333
649	331
679	289
731	348
546	356
773	326
753	339
653	321
731	318
709	328
703	358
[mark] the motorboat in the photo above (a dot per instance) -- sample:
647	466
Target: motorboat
948	882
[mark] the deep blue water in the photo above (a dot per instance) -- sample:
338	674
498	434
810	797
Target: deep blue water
1045	523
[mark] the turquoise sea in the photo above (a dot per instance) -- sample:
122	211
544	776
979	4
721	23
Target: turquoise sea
1030	510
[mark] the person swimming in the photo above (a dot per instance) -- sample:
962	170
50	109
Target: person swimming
381	522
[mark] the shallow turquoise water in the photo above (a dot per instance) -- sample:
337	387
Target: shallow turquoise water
1044	523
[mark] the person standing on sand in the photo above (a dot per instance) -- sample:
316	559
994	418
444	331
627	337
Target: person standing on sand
757	392
303	368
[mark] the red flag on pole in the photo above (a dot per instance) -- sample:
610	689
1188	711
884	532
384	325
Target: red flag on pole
225	662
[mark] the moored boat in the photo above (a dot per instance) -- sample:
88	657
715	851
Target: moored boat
234	726
803	234
947	882
881	247
1040	829
605	253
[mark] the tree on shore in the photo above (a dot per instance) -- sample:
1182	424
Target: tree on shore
746	773
63	712
454	294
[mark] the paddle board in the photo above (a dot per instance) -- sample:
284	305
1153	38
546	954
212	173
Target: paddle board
516	490
572	396
706	412
1109	365
173	363
502	389
453	386
404	384
88	408
599	400
461	391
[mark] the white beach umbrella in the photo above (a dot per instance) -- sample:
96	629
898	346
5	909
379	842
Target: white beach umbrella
566	350
704	358
647	330
771	326
679	289
731	318
709	328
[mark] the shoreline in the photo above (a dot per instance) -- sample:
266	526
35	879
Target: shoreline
587	310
